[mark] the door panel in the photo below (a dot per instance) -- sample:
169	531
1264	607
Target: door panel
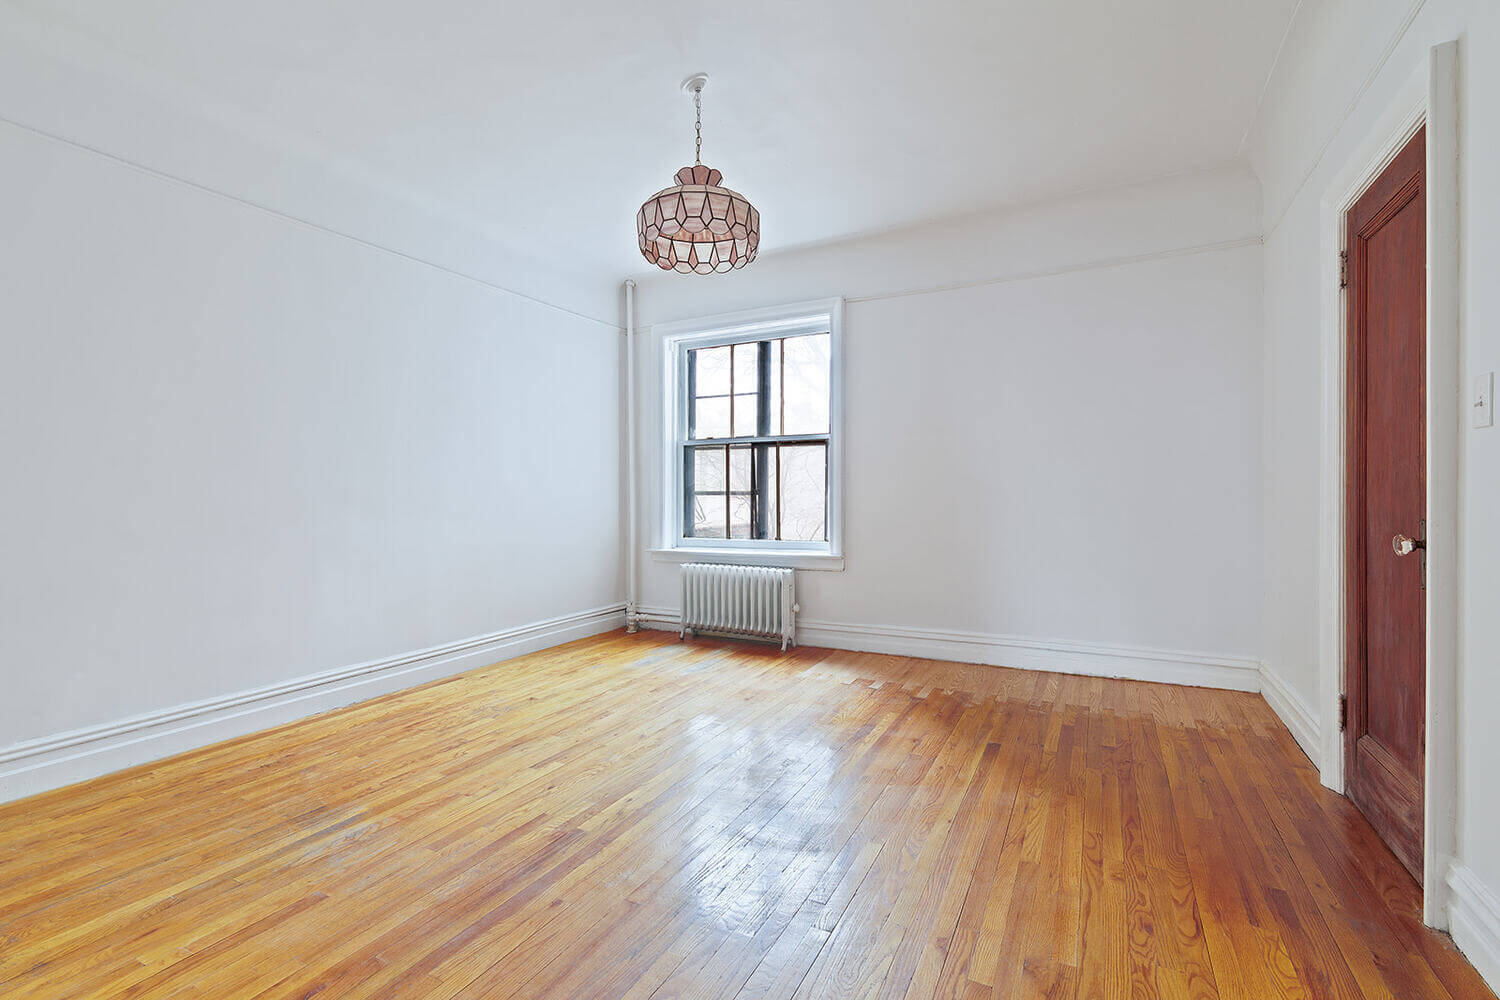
1385	680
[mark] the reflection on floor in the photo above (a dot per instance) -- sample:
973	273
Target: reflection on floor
634	816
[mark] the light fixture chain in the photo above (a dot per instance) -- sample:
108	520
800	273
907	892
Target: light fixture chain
697	226
698	116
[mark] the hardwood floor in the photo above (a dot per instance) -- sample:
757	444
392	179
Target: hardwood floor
629	816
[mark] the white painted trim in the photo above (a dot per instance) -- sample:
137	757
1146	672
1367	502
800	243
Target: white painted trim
1265	85
747	324
1100	264
752	557
63	758
1062	269
1295	713
1429	97
1385	54
1169	666
1445	428
1390	134
1474	921
299	221
737	327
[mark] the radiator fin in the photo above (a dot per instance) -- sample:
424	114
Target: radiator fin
739	600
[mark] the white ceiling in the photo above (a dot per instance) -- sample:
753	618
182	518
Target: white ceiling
552	122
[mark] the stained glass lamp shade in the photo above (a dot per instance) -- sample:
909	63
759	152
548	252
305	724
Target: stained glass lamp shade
697	225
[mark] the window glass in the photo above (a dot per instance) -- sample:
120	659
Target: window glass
804	492
712	419
707	465
709	375
773	487
747	412
804	384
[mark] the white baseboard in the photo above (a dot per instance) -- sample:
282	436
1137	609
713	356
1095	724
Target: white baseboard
1474	922
61	759
1295	713
1168	666
1067	656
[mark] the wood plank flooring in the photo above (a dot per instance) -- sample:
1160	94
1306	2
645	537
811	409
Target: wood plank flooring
630	816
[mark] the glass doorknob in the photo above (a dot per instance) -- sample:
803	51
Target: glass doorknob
1405	545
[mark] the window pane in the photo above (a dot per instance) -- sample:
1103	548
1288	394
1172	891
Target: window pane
710	402
804	492
712	371
745	366
708	469
776	387
768	455
805	384
742	491
739	517
744	414
708	517
711	419
739	469
746	388
708	492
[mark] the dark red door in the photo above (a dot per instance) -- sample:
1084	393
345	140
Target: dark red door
1386	670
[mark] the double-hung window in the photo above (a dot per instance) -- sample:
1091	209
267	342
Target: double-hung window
753	446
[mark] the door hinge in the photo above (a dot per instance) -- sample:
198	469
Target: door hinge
1343	268
1343	712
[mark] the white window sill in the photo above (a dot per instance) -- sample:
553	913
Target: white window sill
753	557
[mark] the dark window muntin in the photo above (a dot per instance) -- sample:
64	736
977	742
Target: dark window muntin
763	442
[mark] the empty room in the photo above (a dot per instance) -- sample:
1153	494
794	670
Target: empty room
779	500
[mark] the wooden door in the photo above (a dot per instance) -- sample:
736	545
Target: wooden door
1386	668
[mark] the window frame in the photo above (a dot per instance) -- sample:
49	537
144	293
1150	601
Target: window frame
677	339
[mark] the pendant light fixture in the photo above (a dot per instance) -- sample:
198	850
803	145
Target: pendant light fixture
697	225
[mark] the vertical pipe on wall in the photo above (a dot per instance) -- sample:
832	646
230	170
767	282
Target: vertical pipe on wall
631	549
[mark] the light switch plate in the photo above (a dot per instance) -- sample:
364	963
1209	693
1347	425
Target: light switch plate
1483	403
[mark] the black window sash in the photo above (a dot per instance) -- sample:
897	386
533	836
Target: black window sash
765	448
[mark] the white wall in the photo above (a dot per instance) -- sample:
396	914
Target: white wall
64	82
238	450
1341	69
1137	357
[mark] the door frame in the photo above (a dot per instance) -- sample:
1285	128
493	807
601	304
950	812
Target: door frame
1430	97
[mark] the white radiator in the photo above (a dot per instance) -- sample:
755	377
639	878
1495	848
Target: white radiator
739	600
